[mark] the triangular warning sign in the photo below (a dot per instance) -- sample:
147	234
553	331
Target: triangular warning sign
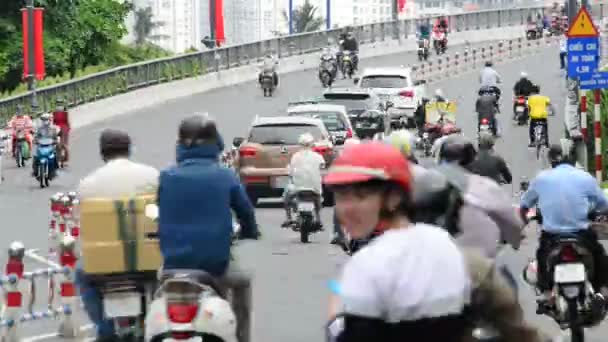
582	25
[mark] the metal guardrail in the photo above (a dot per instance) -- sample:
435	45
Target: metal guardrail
130	77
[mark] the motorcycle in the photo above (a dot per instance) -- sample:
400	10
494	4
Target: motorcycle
531	31
540	137
268	86
423	49
440	42
347	64
46	161
485	125
521	110
62	153
327	73
304	209
190	304
433	131
22	148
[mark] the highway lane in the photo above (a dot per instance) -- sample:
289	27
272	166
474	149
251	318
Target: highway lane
290	278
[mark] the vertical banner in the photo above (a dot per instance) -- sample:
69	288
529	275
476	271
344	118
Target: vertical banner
40	70
38	46
400	5
219	22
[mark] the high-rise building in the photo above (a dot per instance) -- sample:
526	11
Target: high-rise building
243	20
179	24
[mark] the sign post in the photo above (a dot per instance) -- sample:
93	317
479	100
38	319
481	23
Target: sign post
583	62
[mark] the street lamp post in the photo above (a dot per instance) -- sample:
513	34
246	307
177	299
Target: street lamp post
290	8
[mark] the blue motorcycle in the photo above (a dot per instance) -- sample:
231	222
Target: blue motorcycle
46	161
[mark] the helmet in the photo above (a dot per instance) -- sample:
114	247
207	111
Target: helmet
438	93
489	64
306	140
523	74
402	140
457	148
198	130
365	162
486	141
45	117
556	155
114	141
536	88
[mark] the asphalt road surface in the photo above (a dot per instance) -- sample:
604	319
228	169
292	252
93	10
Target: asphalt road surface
290	284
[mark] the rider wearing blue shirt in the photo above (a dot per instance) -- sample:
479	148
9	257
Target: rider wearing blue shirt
566	196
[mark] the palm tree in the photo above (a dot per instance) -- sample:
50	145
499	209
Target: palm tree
143	24
305	18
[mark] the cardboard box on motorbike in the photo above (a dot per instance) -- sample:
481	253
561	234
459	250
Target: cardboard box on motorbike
434	109
114	236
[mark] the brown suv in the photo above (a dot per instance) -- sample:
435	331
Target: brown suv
265	154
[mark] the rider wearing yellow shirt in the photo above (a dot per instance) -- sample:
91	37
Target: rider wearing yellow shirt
539	106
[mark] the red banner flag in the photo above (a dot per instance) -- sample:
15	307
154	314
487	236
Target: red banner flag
39	68
401	5
219	22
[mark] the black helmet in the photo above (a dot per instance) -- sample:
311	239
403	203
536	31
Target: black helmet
556	155
489	64
114	143
457	148
536	88
198	130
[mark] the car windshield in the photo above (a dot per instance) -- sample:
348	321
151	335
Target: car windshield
331	120
282	134
384	81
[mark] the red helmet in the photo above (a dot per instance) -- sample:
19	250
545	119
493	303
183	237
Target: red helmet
373	160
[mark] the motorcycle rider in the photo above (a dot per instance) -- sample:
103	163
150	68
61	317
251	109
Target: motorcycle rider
372	184
305	174
62	120
117	178
489	164
443	25
196	198
424	32
486	107
328	55
565	197
539	106
47	130
489	78
269	66
349	43
523	87
21	122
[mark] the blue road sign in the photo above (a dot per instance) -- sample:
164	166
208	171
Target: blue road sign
596	80
583	55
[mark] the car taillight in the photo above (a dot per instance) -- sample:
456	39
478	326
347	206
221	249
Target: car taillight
182	335
349	133
484	121
247	152
568	254
407	93
182	312
321	149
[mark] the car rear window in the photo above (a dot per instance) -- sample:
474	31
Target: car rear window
282	134
384	81
351	103
331	120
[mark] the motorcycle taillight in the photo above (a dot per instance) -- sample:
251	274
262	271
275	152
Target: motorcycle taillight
182	312
484	121
182	335
521	100
568	254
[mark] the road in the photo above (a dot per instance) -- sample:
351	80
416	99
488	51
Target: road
290	291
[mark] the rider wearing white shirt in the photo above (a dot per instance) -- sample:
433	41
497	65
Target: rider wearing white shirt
305	174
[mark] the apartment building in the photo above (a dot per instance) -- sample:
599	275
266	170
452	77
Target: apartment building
180	23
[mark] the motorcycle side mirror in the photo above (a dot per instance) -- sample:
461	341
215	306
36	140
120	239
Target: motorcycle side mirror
356	80
236	142
419	82
151	211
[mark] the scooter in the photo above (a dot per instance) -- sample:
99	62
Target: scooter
46	161
22	148
521	110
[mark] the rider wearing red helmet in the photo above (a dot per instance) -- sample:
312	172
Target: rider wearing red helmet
372	184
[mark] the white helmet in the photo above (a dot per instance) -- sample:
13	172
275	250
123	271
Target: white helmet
438	92
523	74
45	118
306	140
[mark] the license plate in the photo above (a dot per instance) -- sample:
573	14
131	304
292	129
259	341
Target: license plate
124	304
484	127
306	206
281	182
425	135
569	273
519	109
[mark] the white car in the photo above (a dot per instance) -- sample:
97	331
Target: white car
335	118
397	85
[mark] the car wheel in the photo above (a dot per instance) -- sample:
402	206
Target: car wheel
253	197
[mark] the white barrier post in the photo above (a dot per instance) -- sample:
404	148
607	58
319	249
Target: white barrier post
69	300
13	298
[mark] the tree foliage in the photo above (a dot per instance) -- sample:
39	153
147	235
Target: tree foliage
143	24
78	34
305	18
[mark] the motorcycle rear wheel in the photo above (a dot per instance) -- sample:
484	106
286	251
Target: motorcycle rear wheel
305	228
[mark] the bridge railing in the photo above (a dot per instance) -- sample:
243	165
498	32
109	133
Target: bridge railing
127	78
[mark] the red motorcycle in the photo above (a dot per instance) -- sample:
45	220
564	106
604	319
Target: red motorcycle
434	131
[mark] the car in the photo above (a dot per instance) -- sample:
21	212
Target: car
355	100
263	157
333	116
395	85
